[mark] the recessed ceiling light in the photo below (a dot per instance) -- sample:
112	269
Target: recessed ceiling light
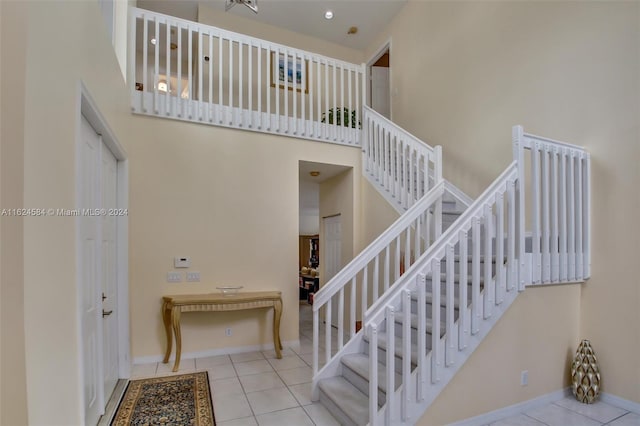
153	41
314	173
328	14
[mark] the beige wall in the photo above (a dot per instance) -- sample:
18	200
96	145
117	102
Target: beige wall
13	391
51	119
465	72
229	200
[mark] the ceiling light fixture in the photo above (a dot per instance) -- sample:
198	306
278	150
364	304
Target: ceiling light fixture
153	41
352	30
328	14
251	4
314	173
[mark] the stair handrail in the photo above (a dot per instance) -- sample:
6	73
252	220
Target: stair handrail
429	368
377	309
412	221
401	166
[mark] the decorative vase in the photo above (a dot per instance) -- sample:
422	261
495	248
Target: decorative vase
585	374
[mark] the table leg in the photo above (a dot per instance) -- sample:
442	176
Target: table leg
175	316
277	313
166	319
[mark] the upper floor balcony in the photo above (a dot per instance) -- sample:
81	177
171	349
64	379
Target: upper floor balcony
189	71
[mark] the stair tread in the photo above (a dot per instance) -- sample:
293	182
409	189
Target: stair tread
353	403
359	364
414	322
382	343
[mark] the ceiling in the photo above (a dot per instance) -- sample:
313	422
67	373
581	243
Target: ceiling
326	171
301	16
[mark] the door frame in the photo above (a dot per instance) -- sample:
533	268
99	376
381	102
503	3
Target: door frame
87	107
386	46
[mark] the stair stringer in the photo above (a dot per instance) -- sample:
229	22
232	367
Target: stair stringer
446	374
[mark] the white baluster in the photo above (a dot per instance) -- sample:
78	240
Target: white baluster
535	213
156	62
579	229
555	260
352	308
387	276
500	272
316	340
546	227
211	102
327	331
406	355
390	367
571	222
422	336
167	96
489	285
190	76
231	75
373	373
220	80
450	307
511	236
200	102
340	318
564	230
475	277
463	328
435	320
587	216
376	271
145	61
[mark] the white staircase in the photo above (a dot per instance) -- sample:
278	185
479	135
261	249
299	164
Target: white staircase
394	325
470	264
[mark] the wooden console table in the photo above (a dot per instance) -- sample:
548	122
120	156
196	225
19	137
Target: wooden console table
173	306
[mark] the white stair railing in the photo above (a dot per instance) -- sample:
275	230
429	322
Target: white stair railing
369	275
189	71
559	211
398	164
491	231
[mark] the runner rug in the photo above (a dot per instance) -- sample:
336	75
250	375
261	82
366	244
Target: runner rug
175	400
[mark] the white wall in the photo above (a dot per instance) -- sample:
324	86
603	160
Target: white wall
309	207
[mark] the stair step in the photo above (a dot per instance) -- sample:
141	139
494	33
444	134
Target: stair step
356	371
382	344
414	322
352	405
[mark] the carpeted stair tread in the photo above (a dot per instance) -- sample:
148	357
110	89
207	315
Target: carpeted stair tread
353	403
382	343
398	317
359	364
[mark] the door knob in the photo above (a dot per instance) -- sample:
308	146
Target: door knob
106	313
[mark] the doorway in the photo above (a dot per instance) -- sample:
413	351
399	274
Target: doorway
332	253
379	88
101	217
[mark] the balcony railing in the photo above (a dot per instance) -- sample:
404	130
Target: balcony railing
193	72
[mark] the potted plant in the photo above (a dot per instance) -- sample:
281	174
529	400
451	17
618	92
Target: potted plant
341	117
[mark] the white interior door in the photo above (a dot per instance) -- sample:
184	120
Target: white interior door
89	264
332	257
380	101
97	263
109	268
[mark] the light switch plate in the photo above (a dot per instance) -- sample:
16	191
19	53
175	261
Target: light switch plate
174	277
193	277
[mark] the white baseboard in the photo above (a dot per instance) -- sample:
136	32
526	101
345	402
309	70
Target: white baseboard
294	344
620	402
515	409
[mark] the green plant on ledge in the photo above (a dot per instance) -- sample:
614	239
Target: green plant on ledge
344	117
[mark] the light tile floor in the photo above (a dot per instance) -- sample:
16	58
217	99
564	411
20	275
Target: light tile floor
255	388
569	412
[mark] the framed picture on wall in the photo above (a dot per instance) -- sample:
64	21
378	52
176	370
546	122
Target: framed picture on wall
296	70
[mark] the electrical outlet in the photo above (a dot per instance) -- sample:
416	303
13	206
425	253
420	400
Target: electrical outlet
228	332
174	277
524	378
193	277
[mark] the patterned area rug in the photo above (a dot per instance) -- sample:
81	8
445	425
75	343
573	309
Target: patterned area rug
173	400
